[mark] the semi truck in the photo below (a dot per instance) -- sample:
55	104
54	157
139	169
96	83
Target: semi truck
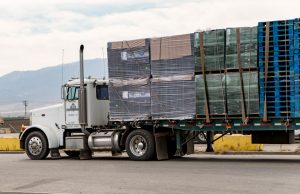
164	92
81	126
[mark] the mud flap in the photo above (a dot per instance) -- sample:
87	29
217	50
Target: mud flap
161	146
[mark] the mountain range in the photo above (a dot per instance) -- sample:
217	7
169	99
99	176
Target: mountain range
42	87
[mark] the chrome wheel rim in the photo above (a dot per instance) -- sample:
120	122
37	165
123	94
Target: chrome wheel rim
201	137
138	145
35	146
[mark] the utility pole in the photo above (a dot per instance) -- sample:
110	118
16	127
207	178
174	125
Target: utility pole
25	106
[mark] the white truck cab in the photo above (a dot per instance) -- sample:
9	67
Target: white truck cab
54	123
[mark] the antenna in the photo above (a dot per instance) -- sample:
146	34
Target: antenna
62	66
104	63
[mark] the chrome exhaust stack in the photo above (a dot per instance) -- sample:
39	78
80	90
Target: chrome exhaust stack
82	96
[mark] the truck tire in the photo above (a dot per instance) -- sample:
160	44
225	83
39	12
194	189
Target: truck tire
73	154
36	146
201	138
140	145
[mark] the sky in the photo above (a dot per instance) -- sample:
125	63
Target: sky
35	33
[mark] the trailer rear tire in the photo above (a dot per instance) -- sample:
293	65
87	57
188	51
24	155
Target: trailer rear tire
201	137
140	145
36	146
73	154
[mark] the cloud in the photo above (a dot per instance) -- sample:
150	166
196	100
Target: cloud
34	32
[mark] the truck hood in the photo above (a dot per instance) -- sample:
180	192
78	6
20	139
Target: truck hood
47	108
48	116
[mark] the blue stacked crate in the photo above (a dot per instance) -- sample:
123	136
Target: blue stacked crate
277	84
297	66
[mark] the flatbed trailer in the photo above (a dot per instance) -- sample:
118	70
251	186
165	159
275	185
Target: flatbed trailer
85	122
81	126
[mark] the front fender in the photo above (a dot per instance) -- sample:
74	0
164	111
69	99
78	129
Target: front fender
52	137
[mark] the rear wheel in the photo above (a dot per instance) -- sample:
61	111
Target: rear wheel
73	154
36	146
140	145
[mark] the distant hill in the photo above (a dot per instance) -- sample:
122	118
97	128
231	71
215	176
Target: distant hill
42	87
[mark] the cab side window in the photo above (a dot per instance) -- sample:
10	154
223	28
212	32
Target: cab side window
72	93
102	92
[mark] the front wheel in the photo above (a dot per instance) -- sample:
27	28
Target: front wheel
36	146
140	145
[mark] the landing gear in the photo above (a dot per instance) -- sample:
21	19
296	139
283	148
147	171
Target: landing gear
209	140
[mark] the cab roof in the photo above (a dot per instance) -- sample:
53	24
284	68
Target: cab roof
86	81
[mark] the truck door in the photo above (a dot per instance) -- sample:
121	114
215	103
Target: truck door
71	106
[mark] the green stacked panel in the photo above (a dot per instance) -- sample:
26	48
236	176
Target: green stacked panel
234	92
248	47
214	50
216	94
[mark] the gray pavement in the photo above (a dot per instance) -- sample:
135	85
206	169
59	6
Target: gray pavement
205	173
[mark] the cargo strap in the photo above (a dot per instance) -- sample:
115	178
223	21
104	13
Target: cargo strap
265	118
202	62
238	48
224	96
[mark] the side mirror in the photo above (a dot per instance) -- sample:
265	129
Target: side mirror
63	92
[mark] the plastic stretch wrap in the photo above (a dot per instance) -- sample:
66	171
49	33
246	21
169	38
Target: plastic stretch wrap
172	55
216	94
172	68
132	82
248	47
130	102
129	73
173	99
233	90
214	50
129	59
173	78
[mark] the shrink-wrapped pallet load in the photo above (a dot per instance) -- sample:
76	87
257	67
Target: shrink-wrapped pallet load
214	50
248	47
234	92
172	69
216	90
129	76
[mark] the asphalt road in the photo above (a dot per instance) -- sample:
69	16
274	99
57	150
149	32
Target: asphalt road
194	174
